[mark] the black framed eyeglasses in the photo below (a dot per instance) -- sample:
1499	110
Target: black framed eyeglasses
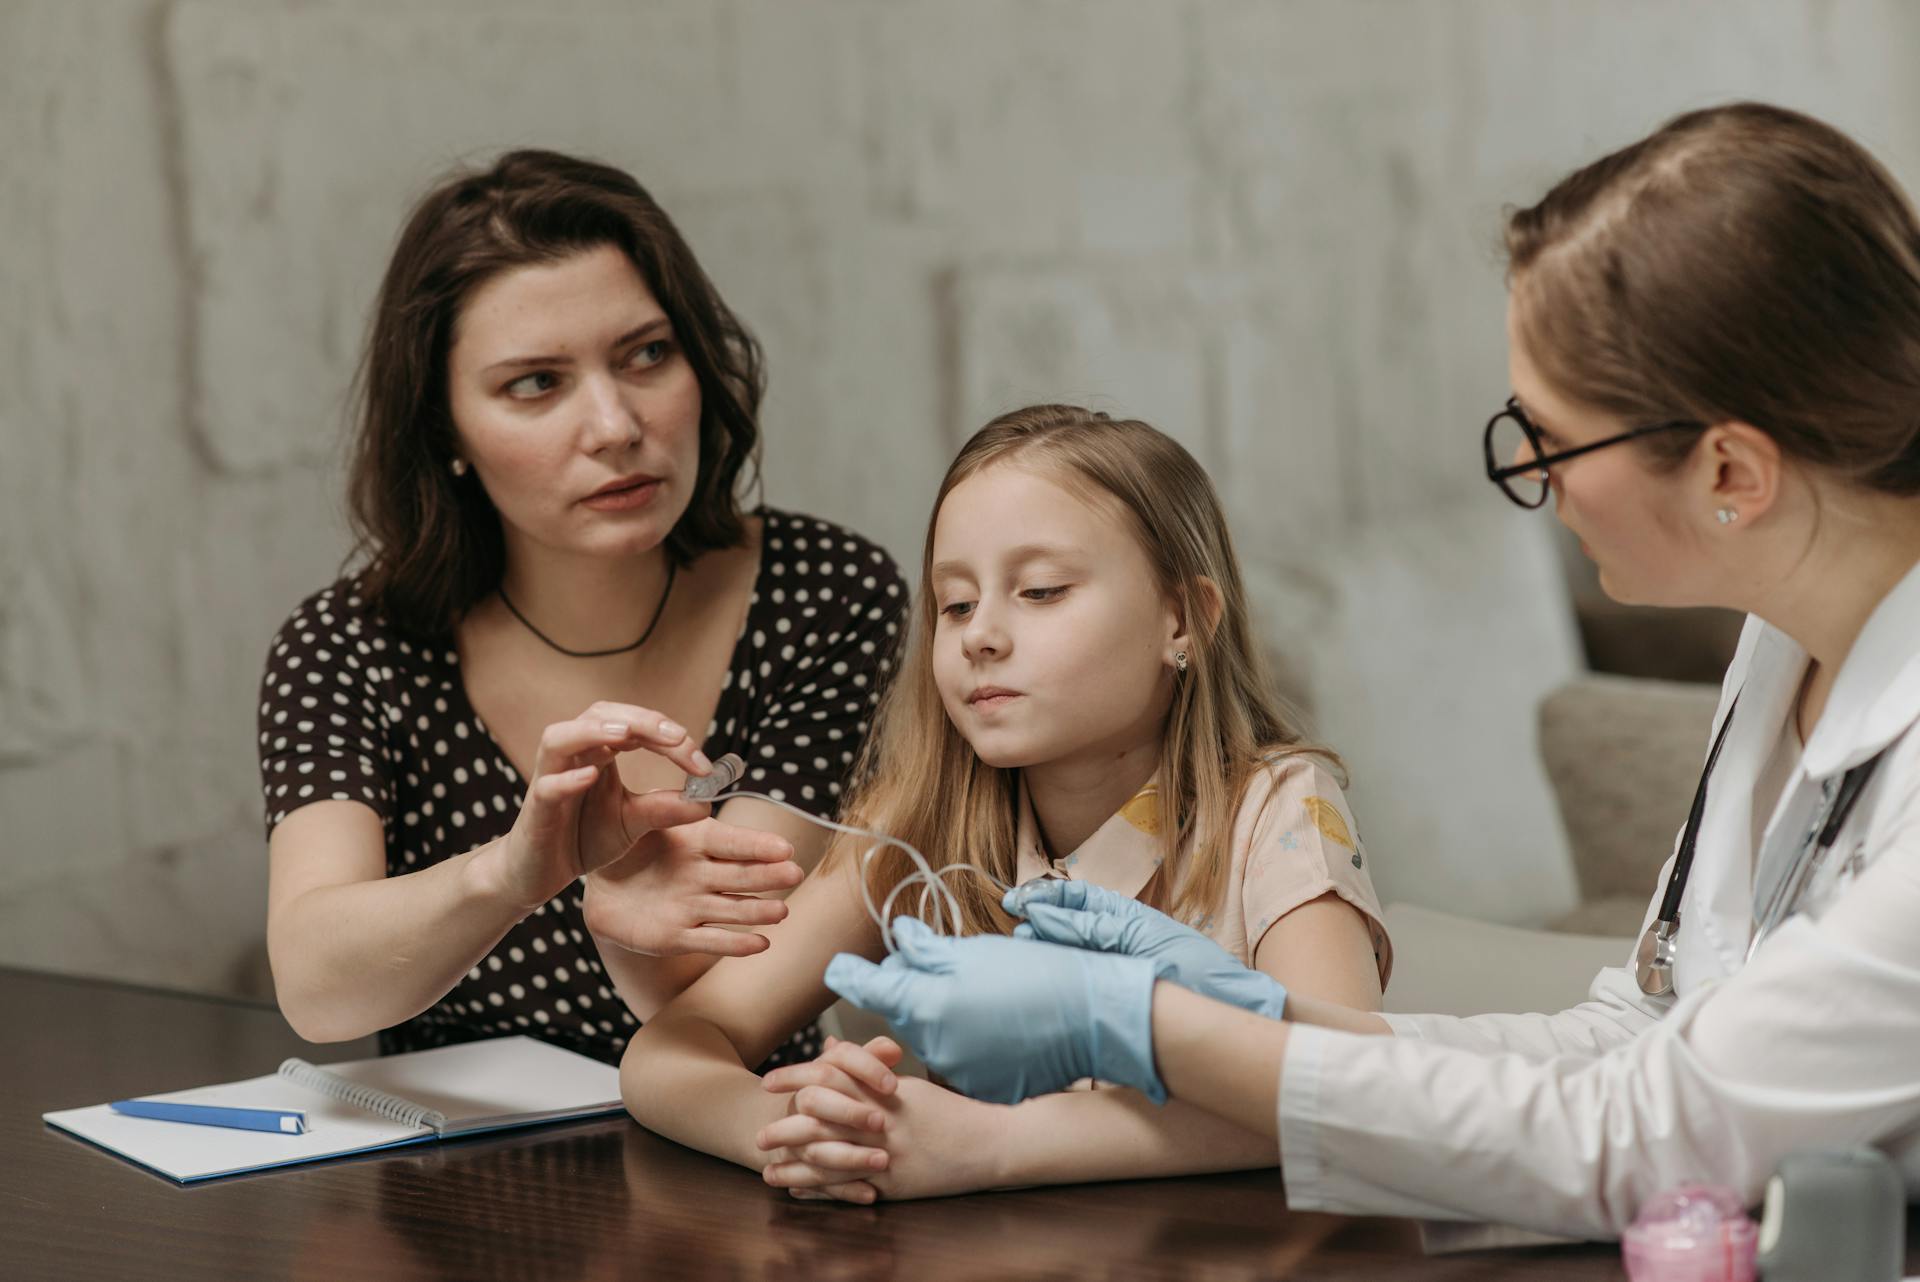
1512	436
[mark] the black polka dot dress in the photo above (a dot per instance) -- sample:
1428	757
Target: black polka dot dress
352	711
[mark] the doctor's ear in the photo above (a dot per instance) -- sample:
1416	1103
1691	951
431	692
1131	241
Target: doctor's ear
1743	468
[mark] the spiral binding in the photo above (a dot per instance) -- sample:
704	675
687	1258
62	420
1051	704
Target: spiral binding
392	1107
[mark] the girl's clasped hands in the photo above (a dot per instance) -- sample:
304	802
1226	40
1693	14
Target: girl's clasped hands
856	1131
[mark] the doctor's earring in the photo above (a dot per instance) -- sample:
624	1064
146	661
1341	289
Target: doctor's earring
1726	515
1180	661
458	467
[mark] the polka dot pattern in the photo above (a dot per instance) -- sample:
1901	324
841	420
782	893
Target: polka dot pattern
350	710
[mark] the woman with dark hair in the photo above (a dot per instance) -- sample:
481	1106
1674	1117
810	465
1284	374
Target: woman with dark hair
1714	345
560	610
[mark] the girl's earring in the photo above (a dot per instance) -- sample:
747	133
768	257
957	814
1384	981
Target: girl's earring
458	467
1180	660
1726	516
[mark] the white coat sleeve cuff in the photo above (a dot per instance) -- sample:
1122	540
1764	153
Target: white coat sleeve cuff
1322	1074
1301	1162
1403	1025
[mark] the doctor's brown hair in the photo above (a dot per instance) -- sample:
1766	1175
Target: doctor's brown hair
922	782
431	541
1742	263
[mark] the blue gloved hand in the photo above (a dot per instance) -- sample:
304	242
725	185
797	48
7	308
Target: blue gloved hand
1089	916
1003	1019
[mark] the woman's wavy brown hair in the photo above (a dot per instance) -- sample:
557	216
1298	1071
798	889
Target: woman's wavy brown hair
1742	263
431	542
922	782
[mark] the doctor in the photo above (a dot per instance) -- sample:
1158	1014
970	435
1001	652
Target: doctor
1714	342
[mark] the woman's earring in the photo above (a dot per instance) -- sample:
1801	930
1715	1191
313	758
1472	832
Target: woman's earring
1726	516
1180	660
458	467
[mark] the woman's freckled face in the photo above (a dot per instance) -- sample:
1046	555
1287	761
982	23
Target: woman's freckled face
565	378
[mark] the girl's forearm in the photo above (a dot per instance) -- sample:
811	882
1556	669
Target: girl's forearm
1326	1014
351	959
647	983
1111	1134
681	1078
1221	1066
1219	1057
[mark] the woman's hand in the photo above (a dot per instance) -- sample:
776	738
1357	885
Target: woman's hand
577	818
855	1132
680	889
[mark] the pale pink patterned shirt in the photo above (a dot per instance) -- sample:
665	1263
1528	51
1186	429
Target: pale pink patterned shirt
1294	840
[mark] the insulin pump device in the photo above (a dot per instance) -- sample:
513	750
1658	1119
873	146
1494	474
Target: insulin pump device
934	893
726	772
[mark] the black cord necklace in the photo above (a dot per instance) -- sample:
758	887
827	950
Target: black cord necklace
652	623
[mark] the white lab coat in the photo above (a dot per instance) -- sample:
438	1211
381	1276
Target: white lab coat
1566	1123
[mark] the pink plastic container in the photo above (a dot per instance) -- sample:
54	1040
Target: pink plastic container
1695	1233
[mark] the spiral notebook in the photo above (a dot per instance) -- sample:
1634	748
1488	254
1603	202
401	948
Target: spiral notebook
361	1106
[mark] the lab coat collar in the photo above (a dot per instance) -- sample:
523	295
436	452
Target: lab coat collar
1876	695
1765	673
1122	855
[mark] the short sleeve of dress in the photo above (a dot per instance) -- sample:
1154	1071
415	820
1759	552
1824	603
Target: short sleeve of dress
823	644
1295	841
322	712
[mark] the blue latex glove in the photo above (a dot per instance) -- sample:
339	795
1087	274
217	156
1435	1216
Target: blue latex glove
1089	916
1003	1019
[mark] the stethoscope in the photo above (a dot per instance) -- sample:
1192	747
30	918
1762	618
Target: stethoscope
1653	960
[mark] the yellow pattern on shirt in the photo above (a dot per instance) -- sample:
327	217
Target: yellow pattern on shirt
1143	812
1331	823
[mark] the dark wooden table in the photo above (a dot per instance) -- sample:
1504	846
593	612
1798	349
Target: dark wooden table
596	1200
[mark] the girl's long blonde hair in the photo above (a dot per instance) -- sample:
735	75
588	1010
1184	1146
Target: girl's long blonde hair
920	780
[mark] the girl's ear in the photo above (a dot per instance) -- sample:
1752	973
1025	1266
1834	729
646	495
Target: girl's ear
1212	605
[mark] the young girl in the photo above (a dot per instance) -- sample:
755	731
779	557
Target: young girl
1082	699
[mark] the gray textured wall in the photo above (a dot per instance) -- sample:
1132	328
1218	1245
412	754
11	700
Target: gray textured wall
1268	227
